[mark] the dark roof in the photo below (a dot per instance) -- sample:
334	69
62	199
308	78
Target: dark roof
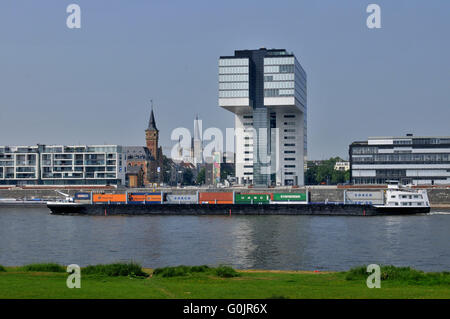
137	153
152	122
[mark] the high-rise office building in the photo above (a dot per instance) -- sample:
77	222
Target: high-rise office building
266	90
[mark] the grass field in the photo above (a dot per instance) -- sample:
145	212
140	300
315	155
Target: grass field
188	282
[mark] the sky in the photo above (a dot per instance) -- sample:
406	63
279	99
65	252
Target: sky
93	85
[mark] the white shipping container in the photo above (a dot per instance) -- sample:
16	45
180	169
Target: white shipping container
183	199
365	197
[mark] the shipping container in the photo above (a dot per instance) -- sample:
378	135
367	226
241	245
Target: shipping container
140	198
216	198
83	196
183	199
252	198
112	198
364	197
217	202
289	197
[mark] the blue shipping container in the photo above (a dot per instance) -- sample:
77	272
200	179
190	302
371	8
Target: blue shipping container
82	195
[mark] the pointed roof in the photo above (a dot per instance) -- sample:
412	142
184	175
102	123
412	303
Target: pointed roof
152	122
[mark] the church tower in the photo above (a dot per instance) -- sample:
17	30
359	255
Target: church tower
152	135
154	174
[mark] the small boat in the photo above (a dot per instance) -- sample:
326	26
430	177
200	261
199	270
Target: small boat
403	199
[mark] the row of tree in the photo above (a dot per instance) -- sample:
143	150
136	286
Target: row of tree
324	173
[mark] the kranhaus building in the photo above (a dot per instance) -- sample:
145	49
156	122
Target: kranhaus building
266	90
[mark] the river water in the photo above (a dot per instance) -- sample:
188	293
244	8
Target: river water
30	235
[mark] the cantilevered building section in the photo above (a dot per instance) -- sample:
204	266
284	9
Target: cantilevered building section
409	159
266	90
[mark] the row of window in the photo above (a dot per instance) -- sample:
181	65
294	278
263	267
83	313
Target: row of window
279	85
233	62
242	93
403	158
279	61
233	70
279	69
233	78
233	86
278	92
279	77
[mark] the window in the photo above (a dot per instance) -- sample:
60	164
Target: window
289	137
289	166
287	144
289	116
289	159
289	152
290	130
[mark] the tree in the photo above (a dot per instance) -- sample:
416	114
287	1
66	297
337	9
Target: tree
166	169
310	176
325	173
187	176
201	176
226	170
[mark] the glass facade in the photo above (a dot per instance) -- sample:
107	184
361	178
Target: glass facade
420	161
233	78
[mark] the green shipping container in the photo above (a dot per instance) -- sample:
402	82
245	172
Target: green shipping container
291	197
251	198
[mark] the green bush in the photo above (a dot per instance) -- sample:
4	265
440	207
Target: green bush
226	272
116	269
2	268
44	267
403	274
179	271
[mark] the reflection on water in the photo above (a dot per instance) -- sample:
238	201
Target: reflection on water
262	242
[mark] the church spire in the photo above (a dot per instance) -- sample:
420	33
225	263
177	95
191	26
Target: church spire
152	122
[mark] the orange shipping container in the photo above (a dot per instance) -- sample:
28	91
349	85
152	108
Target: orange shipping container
221	198
218	202
148	198
104	198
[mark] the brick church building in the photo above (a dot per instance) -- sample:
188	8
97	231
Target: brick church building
149	158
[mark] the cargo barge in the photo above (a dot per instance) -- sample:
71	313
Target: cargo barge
355	203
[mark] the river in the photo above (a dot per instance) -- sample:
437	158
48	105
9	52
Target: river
321	243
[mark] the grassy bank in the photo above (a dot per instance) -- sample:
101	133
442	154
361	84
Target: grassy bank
131	281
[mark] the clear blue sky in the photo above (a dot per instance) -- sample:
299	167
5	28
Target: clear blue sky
93	85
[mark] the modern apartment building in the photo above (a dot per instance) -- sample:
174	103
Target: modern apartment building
62	165
266	90
409	159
